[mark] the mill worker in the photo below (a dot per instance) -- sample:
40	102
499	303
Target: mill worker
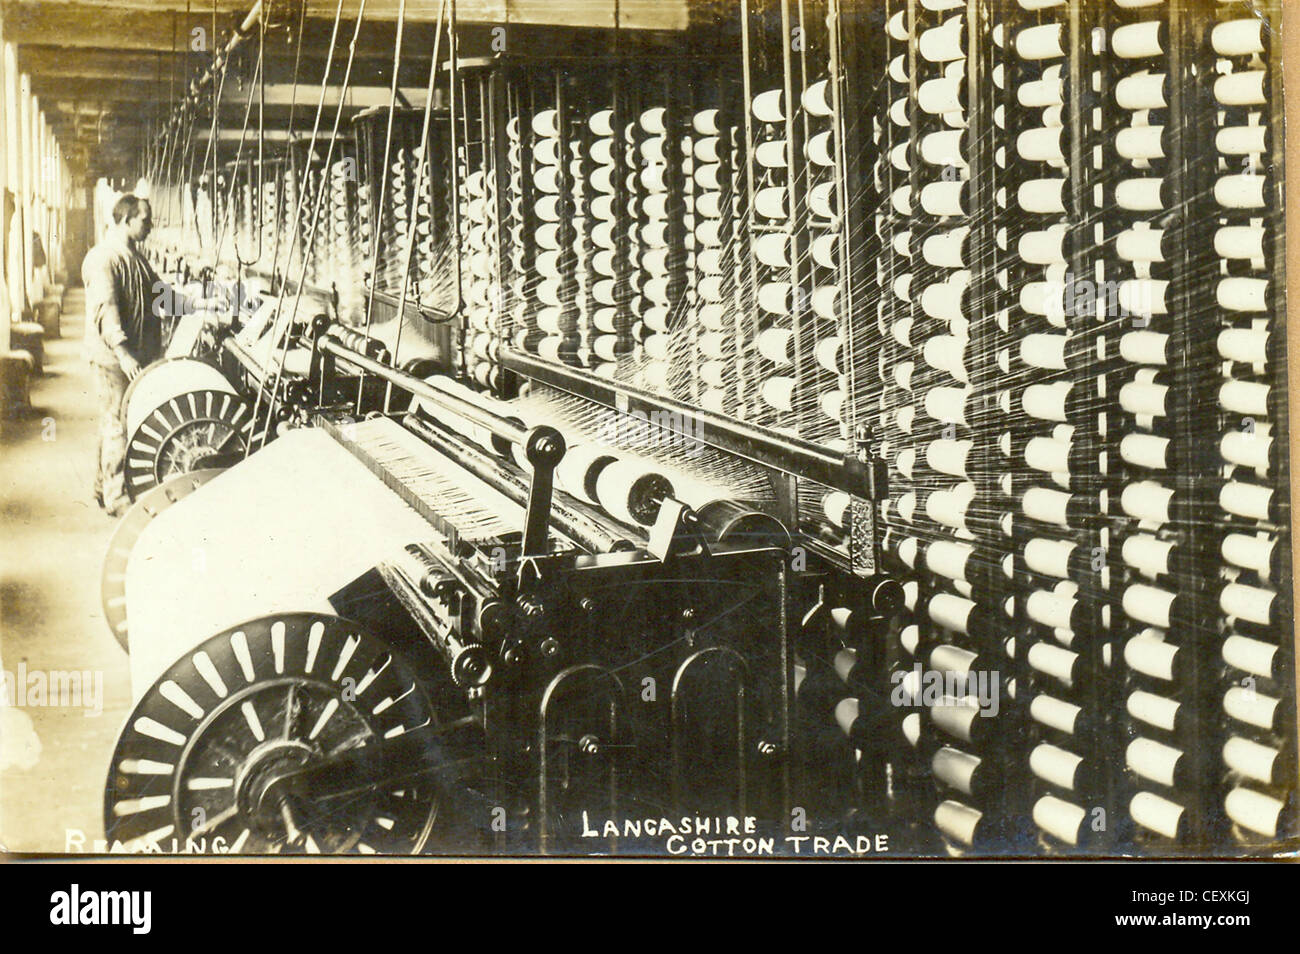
124	303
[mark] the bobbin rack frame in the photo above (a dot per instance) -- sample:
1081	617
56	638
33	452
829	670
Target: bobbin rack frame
1008	276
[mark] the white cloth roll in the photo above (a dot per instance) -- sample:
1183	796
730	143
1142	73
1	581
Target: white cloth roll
167	380
255	540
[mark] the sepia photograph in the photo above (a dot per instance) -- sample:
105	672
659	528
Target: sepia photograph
650	429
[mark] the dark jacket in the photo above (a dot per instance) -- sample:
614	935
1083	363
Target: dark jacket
124	297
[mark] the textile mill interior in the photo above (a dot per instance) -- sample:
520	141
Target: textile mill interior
687	428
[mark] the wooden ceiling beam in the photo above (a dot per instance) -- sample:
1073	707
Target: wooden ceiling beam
167	27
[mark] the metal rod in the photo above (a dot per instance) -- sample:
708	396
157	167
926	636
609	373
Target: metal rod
791	455
502	427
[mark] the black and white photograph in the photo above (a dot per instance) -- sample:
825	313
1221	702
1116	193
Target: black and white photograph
807	430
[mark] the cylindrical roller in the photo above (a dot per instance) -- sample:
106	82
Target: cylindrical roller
580	469
729	521
632	491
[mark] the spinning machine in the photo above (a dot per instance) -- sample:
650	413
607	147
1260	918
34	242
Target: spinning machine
870	414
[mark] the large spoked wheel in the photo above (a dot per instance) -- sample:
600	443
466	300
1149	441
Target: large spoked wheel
112	581
250	705
193	431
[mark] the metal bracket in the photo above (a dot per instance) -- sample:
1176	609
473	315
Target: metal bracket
544	448
676	531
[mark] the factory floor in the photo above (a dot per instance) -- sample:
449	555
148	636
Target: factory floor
55	746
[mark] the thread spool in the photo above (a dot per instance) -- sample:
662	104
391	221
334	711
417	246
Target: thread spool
944	301
1046	351
1042	196
705	122
546	123
548	152
1250	603
1044	92
825	302
1244	397
1243	294
658	291
553	320
832	404
602	236
1251	655
715	399
835	507
957	821
939	96
949	456
1153	760
1250	707
654	234
554	348
547	179
713	345
653	178
770	202
946	249
821	200
1254	811
709	204
1141	143
816	99
1145	450
601	122
1244	37
652	120
942	44
654	149
1252	760
778	393
1139	40
1040	42
1247	88
820	149
776	344
773	249
825	250
776	298
949	507
606	320
1041	144
657	318
1153	710
769	106
1246	345
1055	713
713	373
602	180
602	151
944	198
710	261
828	353
1158	814
707	149
1143	90
897	70
773	154
1141	195
945	148
1247	500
